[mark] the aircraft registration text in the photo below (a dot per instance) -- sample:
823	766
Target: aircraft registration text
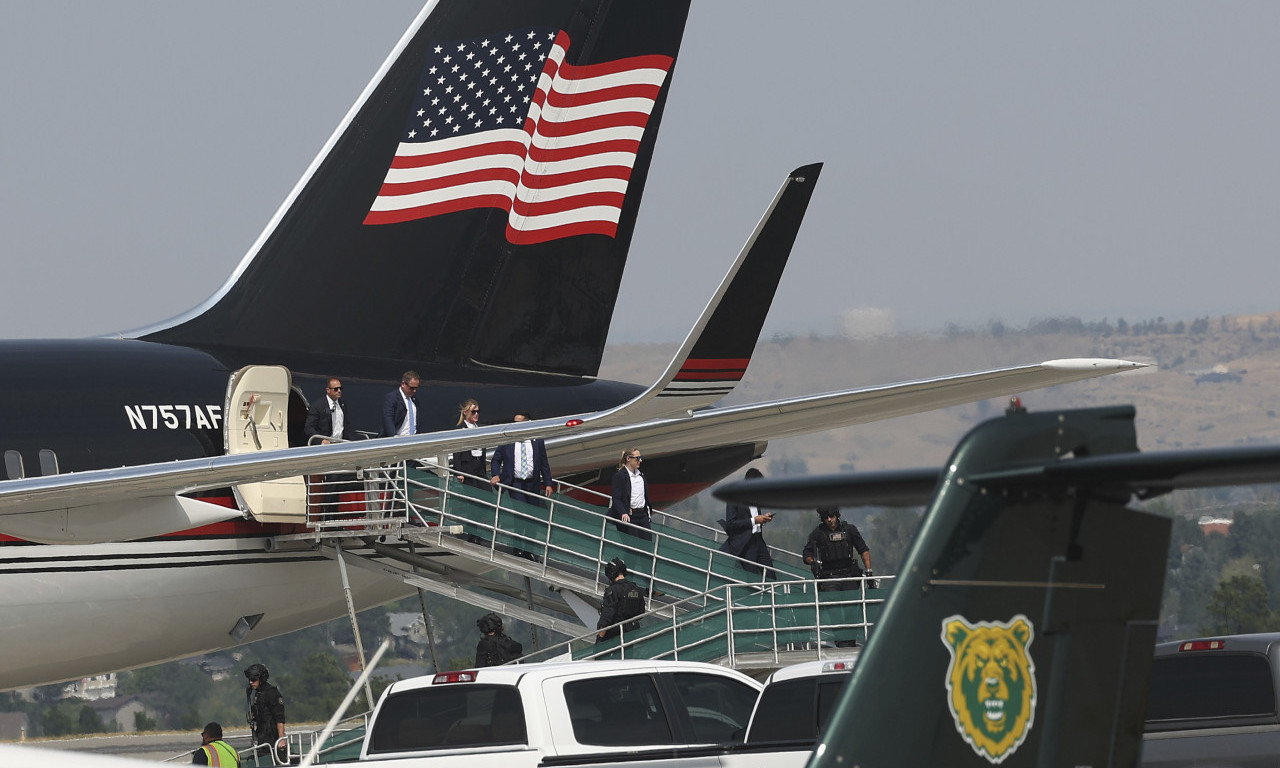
174	416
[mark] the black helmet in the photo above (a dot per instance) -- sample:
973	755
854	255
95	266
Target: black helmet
257	672
825	512
615	568
490	622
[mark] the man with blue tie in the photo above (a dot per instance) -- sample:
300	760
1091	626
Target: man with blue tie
523	465
400	413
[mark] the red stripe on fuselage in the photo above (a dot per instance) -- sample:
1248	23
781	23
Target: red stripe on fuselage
716	363
225	529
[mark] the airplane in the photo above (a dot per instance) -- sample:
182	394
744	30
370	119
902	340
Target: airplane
1021	626
488	260
1022	622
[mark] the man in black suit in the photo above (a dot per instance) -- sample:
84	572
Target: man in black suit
327	421
400	412
523	465
745	528
327	416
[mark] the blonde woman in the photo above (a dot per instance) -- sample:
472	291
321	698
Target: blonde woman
470	462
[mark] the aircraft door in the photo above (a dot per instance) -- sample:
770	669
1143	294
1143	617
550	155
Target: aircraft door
257	419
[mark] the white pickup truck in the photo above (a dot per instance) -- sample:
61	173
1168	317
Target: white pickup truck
560	713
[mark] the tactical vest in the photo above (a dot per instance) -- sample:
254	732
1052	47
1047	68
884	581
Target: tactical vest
835	548
630	604
498	649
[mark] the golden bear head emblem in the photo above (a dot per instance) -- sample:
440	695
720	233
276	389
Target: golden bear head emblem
991	683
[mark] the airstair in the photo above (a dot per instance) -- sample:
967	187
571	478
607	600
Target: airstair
460	537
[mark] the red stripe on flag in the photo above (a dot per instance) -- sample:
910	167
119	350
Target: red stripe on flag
554	180
582	72
574	202
598	123
445	182
552	154
564	100
462	153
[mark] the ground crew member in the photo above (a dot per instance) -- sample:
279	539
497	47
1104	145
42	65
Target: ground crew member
266	710
623	600
495	647
213	750
830	550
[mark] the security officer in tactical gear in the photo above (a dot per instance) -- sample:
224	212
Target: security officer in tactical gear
623	600
266	710
495	647
830	551
213	750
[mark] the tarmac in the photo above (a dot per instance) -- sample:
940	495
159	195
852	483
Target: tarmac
175	746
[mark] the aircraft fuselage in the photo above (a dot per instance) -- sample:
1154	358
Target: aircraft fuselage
99	403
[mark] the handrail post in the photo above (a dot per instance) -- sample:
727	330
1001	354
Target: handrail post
730	646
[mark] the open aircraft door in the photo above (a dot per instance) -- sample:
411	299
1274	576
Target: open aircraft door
257	419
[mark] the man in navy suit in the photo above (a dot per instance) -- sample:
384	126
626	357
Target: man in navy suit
745	528
523	465
400	412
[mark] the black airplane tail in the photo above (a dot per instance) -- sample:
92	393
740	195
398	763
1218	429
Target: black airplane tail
477	204
1021	625
715	355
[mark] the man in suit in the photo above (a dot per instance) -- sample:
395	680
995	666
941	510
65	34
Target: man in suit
400	413
630	503
523	465
745	528
327	421
327	416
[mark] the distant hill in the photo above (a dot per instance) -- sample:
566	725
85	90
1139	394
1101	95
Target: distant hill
1216	383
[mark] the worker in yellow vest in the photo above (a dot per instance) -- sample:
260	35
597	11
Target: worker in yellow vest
213	750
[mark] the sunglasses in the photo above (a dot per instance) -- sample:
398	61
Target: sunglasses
637	458
336	389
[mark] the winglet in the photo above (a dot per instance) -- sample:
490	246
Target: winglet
715	354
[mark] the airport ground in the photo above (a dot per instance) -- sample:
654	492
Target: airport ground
150	745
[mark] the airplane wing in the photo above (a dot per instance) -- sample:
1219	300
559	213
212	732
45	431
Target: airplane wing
790	417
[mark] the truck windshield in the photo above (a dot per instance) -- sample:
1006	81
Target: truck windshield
447	717
1210	686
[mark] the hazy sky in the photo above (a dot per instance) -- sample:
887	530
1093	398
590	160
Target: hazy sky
984	160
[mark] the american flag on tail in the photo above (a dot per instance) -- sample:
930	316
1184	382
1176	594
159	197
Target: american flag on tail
504	123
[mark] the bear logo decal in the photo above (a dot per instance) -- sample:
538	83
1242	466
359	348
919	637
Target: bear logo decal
991	683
